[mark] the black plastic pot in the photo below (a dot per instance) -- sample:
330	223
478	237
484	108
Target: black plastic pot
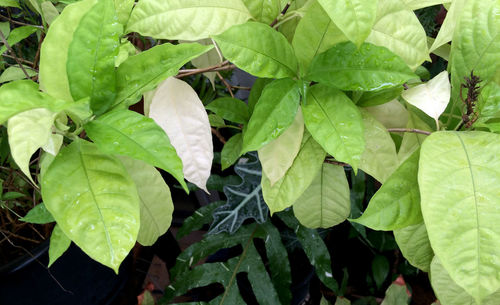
73	279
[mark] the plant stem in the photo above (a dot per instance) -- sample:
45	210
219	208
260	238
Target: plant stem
20	23
6	44
220	67
218	135
283	12
228	86
412	130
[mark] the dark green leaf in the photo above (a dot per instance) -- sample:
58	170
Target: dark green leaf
199	218
39	214
231	151
231	109
380	269
379	97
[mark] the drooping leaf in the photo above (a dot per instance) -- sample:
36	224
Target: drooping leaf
38	214
96	204
131	134
23	95
368	68
49	11
16	73
325	203
461	216
379	159
231	109
380	270
155	200
278	155
448	292
18	34
259	50
59	243
244	201
178	110
396	294
274	112
315	34
91	56
53	73
397	203
475	48
448	28
412	141
415	246
315	249
186	19
335	122
431	97
263	11
28	131
405	38
143	72
231	151
354	18
297	178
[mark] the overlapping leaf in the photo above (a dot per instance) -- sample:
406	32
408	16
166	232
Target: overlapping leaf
415	246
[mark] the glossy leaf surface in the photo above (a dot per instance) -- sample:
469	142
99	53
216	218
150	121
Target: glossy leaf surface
273	114
91	56
180	113
131	134
259	50
325	203
354	18
397	203
335	123
59	243
143	72
370	67
186	19
155	200
298	177
461	216
96	204
278	155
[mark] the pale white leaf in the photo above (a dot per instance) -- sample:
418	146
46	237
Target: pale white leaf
53	144
207	59
277	156
391	114
432	97
179	111
27	132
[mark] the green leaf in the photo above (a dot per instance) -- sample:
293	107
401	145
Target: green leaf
256	91
231	151
418	4
28	131
396	294
263	11
475	48
412	141
231	109
18	34
278	155
298	177
448	292
397	203
49	11
342	301
379	159
186	19
315	249
461	217
143	72
368	68
16	73
216	121
379	97
380	270
391	114
53	73
155	200
5	28
354	18
208	59
123	10
315	34
405	38
23	95
415	246
335	122
59	243
38	214
9	3
449	24
325	203
259	50
244	201
96	203
131	134
91	56
274	112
